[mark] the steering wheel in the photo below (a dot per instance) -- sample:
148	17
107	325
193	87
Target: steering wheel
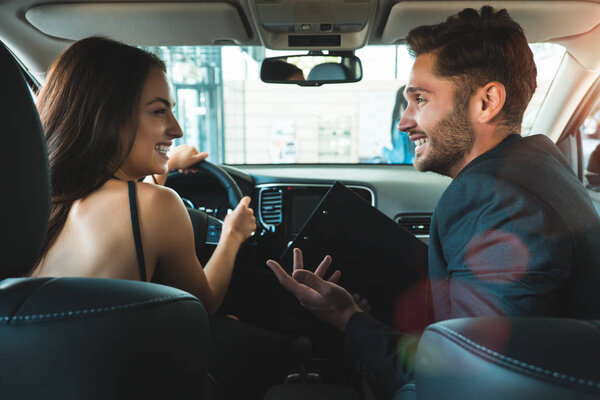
207	229
234	193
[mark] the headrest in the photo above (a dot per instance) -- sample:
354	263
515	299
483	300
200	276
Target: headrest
91	338
328	72
24	173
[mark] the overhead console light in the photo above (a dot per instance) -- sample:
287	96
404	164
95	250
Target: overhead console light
305	41
314	24
313	16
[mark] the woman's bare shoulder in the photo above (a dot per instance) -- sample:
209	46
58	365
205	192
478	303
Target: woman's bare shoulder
162	208
155	204
157	195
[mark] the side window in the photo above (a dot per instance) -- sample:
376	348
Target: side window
590	146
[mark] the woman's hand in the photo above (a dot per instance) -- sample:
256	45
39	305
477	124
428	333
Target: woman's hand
241	222
182	157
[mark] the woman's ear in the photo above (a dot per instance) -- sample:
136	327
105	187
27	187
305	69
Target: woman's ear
490	100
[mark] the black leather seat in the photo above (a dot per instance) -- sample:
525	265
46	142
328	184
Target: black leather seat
509	358
79	338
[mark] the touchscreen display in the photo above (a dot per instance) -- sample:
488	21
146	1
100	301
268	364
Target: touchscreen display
377	257
302	203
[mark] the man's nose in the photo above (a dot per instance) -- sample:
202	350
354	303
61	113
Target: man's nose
407	122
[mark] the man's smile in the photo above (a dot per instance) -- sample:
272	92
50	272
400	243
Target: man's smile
420	140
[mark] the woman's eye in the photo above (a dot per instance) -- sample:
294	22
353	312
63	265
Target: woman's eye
160	111
420	99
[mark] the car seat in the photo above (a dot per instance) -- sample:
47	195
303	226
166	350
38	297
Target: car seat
509	358
328	72
79	338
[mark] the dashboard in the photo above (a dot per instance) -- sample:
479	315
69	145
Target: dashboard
290	205
283	198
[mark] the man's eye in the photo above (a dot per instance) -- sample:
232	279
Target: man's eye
420	99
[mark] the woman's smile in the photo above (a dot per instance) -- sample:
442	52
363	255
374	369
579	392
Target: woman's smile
163	150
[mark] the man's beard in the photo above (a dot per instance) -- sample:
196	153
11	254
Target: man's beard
449	141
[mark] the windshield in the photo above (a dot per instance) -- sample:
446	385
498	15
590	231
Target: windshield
225	109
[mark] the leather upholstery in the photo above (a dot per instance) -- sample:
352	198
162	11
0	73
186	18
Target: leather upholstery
84	338
509	358
406	392
79	338
24	173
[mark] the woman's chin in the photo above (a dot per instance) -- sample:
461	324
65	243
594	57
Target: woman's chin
163	170
160	168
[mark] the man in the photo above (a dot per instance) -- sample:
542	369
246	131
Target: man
514	234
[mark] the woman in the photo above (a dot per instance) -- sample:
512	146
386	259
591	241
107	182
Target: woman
403	149
107	112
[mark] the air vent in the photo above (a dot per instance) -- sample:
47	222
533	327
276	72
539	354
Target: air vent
417	224
270	207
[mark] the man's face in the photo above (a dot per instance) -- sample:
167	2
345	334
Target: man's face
440	127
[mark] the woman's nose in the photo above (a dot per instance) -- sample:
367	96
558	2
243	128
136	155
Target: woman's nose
175	128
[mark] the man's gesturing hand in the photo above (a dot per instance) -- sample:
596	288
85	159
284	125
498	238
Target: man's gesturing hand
324	298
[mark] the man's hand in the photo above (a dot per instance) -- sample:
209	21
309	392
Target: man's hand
323	298
362	302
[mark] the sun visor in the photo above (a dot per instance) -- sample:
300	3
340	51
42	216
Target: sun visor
143	24
313	24
557	19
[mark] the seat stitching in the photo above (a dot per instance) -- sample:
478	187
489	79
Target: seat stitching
595	323
89	311
26	299
532	368
409	387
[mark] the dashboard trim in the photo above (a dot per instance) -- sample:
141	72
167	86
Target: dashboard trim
264	186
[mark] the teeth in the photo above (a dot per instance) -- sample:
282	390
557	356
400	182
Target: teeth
161	148
419	142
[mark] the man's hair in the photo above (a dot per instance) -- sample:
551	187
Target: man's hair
473	49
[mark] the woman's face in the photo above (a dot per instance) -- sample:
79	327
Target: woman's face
157	127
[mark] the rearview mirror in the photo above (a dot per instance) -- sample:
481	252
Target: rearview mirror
313	69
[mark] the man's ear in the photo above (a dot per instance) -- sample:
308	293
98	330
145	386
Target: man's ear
489	100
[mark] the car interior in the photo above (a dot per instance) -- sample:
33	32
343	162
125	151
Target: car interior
327	170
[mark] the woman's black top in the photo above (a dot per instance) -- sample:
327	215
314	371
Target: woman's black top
137	237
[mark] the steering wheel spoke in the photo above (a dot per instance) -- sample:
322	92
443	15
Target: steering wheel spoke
213	230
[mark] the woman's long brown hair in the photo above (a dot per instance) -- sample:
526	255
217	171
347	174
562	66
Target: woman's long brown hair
89	110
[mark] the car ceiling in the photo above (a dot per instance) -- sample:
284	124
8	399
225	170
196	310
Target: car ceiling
37	25
38	30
